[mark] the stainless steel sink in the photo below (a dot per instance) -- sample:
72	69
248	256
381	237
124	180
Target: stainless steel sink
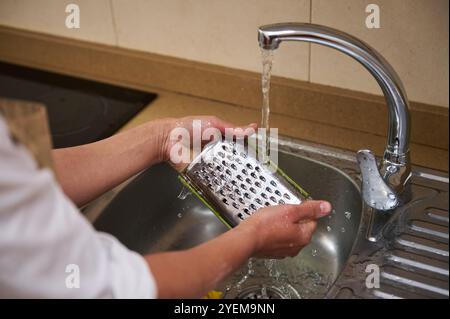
148	215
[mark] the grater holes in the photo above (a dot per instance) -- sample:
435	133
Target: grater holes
281	202
248	180
247	195
272	182
233	166
258	184
219	168
221	154
225	201
239	177
228	172
237	191
235	205
243	186
273	199
225	148
266	204
243	155
253	190
244	171
258	169
246	211
249	166
268	189
224	163
286	195
253	175
278	193
253	207
264	195
241	217
241	200
262	178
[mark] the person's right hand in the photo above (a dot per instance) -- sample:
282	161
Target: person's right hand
283	230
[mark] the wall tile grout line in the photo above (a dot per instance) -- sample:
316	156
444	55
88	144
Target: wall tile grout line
113	18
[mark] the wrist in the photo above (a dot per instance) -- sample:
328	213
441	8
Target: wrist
162	129
248	233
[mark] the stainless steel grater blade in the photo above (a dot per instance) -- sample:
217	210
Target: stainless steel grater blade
234	184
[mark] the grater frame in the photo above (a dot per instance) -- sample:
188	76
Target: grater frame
231	182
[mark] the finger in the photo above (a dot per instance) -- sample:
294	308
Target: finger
310	210
242	132
237	130
306	232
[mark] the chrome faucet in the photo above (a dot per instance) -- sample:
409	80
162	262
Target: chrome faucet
384	187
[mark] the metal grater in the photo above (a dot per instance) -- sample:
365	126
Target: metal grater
234	184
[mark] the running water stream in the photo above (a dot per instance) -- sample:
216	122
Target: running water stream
267	61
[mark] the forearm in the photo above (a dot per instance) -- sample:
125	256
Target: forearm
194	272
87	171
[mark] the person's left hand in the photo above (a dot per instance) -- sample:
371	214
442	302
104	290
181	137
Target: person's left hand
206	122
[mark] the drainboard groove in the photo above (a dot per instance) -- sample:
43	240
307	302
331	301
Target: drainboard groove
400	278
389	291
438	215
422	244
429	229
418	262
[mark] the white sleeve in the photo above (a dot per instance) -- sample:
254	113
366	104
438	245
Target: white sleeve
48	249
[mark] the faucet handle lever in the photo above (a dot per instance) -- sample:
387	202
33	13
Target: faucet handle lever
376	192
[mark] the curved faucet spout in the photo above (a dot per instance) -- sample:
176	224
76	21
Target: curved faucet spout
270	37
395	168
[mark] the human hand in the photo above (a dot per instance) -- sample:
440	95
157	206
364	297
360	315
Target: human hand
281	231
207	127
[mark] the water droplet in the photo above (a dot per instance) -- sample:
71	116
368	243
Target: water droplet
391	196
179	215
348	215
342	230
184	193
328	228
314	252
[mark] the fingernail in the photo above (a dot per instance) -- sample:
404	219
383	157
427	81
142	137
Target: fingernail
325	207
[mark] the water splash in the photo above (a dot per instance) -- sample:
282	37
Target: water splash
348	215
184	193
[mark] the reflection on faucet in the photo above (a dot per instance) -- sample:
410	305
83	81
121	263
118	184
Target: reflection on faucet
385	187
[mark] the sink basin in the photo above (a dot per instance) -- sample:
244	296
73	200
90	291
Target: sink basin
148	216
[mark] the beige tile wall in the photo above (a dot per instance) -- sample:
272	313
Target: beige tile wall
96	23
213	31
413	35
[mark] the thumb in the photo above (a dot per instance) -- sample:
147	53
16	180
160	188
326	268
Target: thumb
311	210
